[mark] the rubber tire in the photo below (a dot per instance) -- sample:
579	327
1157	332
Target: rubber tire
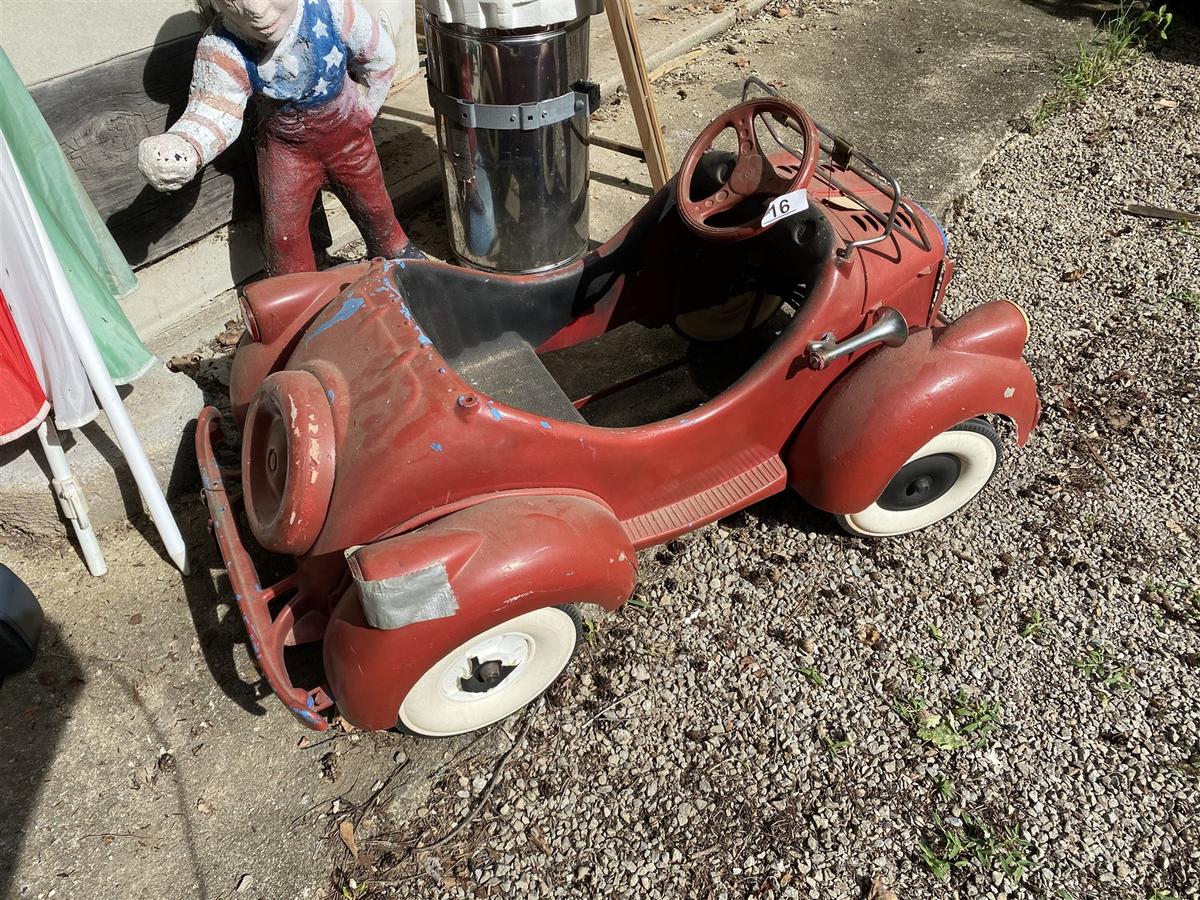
408	724
867	523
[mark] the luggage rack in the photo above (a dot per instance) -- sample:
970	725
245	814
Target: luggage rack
842	156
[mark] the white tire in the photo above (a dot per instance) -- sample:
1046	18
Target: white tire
492	675
936	482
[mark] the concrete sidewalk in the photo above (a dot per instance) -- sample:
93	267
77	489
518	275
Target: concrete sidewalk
140	756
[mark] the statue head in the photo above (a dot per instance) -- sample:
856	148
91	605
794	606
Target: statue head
262	21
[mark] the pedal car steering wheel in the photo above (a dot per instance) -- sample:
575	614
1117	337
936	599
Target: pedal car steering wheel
753	176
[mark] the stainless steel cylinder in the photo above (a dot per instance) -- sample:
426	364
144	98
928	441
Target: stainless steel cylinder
516	200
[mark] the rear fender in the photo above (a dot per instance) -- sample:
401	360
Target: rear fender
419	595
885	409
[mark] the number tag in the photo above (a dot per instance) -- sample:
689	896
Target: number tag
785	205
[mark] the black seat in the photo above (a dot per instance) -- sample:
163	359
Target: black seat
508	370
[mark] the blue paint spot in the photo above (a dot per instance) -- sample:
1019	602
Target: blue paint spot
349	308
330	396
545	424
437	448
685	421
495	414
422	339
401	263
441	370
309	702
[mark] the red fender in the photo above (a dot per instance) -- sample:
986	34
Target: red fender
276	310
886	408
460	576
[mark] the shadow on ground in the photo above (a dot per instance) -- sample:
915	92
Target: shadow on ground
36	707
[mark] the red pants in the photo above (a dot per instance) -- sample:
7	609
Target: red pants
329	146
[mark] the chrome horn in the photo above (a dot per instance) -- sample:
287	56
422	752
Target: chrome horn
889	328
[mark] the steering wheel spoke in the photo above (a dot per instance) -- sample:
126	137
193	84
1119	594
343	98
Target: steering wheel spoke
753	175
721	200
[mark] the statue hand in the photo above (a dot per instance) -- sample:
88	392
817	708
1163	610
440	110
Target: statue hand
168	161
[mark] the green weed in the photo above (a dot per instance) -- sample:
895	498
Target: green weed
1106	673
1033	625
1121	37
1189	298
974	844
920	667
945	787
964	723
835	745
813	675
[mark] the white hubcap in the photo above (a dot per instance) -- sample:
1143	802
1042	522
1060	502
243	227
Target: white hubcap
977	458
492	675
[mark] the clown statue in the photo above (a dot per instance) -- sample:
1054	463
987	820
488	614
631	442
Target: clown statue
319	71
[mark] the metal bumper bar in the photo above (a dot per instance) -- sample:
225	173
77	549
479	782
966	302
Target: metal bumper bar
268	633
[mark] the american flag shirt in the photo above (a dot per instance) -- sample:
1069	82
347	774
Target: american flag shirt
328	42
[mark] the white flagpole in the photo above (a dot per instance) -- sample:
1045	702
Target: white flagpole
70	498
106	393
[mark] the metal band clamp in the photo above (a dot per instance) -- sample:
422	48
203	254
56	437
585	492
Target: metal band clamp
516	117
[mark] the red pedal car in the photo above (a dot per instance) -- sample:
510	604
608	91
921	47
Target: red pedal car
456	458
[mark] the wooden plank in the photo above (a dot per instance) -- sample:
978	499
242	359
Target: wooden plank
637	82
99	116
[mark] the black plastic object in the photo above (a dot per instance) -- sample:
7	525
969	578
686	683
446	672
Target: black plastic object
20	623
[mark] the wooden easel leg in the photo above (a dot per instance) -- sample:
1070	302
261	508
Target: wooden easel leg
637	82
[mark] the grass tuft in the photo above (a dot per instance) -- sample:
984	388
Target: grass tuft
1106	673
1121	37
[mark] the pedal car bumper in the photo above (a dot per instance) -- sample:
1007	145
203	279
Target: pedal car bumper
268	633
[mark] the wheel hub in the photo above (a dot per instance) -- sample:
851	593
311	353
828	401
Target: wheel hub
921	481
484	676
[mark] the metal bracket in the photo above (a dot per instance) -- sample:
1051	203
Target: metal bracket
516	117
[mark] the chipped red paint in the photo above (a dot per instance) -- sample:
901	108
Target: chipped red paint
526	512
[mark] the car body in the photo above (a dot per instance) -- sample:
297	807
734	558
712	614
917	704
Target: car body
406	444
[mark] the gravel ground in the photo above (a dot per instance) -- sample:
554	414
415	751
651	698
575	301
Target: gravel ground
1010	696
785	711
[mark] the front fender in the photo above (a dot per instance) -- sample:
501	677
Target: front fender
419	595
885	409
280	308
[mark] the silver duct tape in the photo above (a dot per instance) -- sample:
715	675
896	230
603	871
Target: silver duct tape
404	599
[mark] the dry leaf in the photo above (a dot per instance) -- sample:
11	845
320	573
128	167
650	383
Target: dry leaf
205	807
742	63
657	19
346	830
244	883
783	12
344	725
880	891
304	743
1073	275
